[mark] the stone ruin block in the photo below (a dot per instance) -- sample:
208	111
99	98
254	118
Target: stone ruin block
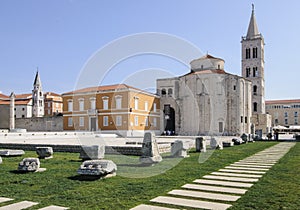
44	152
200	144
228	144
97	168
94	152
11	152
216	144
0	160
150	152
29	165
179	149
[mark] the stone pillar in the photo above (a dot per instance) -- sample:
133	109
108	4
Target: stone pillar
12	112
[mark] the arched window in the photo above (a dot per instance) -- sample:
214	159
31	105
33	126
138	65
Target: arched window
255	107
170	92
163	92
254	90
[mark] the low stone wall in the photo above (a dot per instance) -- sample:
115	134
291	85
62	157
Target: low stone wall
40	123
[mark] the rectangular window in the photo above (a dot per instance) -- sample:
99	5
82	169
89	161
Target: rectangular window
248	53
81	105
296	114
255	72
105	104
146	105
93	103
70	121
136	103
136	120
242	119
119	103
254	52
146	121
285	114
246	120
154	107
248	72
105	120
70	106
48	104
118	120
220	127
154	121
234	87
48	111
81	121
286	121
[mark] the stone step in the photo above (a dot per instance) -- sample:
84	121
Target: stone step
249	165
223	183
230	178
237	175
150	207
2	199
246	168
242	171
18	206
206	195
53	207
214	188
190	203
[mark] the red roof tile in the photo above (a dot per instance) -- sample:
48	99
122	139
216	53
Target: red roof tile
285	101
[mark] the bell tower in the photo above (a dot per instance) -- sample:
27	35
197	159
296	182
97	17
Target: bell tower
253	64
37	97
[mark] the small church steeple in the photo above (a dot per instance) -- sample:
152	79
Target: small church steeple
37	97
252	28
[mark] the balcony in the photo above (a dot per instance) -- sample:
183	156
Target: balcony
92	111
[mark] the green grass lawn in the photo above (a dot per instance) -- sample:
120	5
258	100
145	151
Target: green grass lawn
136	184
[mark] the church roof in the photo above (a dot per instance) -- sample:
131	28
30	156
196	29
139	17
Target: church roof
207	56
252	28
3	96
37	80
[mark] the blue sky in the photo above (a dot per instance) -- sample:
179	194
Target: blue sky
59	37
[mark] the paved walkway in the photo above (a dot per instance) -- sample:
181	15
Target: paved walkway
222	188
25	205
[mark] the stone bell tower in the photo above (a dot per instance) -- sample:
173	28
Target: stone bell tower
253	64
37	97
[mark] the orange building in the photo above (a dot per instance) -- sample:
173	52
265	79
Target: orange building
53	104
119	109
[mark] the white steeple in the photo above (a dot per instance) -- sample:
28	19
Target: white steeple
37	97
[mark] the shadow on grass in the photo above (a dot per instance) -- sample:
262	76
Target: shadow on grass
19	172
84	178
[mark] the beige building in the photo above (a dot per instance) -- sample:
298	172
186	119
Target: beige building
120	109
284	112
206	101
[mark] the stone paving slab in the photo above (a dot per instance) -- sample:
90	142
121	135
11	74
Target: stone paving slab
249	165
2	199
237	175
230	178
246	168
18	206
53	207
214	188
199	194
190	203
253	163
150	207
223	183
242	171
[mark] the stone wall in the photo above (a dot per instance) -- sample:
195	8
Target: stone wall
54	123
4	116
